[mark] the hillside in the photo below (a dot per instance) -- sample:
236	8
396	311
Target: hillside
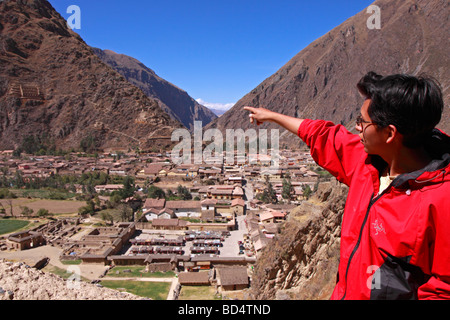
53	85
320	81
173	100
301	263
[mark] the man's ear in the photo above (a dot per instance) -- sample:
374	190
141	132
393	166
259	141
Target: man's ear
392	134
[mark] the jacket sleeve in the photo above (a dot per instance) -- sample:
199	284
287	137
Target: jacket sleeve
437	243
333	147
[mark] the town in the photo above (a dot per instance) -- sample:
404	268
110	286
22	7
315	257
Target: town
206	223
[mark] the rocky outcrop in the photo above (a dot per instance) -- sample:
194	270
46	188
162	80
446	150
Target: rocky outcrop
18	281
301	262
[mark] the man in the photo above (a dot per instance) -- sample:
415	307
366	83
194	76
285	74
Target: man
395	239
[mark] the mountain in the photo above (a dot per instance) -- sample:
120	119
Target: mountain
218	112
320	81
175	101
52	85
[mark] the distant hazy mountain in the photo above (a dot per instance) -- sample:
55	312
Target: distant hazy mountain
175	101
218	112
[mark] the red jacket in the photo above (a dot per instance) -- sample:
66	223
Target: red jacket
394	245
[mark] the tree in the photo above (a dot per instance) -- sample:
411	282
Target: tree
42	212
30	144
19	182
156	193
287	188
106	216
88	144
307	191
184	193
269	194
128	187
114	199
126	213
27	211
88	209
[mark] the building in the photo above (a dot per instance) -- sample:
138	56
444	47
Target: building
232	277
194	278
108	187
182	208
100	243
272	217
169	224
25	240
238	206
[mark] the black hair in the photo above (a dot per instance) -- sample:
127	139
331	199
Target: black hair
414	105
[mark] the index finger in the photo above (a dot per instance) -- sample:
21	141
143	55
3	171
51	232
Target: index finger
249	108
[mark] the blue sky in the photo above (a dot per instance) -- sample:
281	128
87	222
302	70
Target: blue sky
216	50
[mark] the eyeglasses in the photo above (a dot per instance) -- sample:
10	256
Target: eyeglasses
360	121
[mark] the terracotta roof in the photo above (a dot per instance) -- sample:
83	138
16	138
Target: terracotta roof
209	202
238	202
154	203
236	275
193	278
168	222
180	204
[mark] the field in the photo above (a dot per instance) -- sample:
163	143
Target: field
152	290
198	293
137	272
9	226
53	206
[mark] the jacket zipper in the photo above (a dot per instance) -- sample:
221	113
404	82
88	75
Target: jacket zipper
372	201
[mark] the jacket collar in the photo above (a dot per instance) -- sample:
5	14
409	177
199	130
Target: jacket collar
438	146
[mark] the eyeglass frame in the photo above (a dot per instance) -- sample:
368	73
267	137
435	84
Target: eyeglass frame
360	121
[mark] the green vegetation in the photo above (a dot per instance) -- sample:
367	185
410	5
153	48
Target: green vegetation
63	273
268	195
71	262
137	272
47	193
9	226
199	293
38	145
307	191
183	193
287	188
7	194
59	187
152	290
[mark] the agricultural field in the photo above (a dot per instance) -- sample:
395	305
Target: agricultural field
199	293
10	225
53	206
152	290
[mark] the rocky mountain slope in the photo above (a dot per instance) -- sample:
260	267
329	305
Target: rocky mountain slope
320	81
52	84
19	281
302	262
175	101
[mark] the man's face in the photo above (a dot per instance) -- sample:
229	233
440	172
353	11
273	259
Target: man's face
371	138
